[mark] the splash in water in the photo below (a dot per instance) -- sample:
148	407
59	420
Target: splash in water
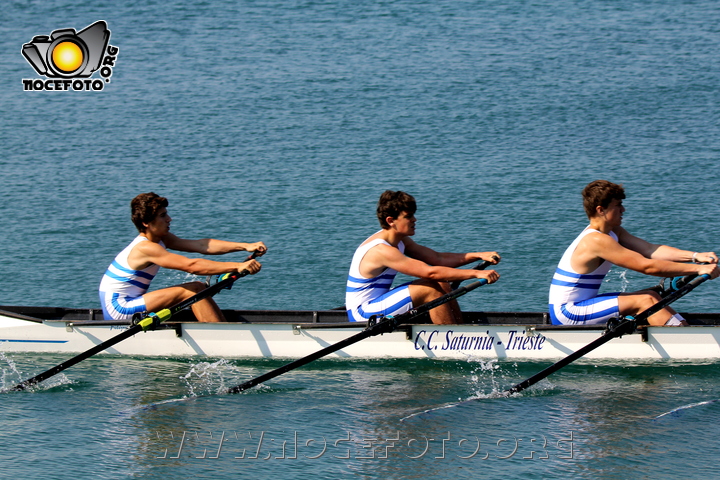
207	378
486	375
489	380
619	276
12	376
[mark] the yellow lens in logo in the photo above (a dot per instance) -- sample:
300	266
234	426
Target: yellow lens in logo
67	56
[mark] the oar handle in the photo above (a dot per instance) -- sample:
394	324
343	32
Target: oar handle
240	274
480	266
678	282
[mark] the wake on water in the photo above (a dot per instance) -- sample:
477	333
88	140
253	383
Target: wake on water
204	380
676	411
490	372
423	413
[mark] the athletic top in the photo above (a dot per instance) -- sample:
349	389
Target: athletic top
360	289
120	278
570	286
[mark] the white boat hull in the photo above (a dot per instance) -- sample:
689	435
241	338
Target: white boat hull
295	340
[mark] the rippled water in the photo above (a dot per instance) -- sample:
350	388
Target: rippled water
337	418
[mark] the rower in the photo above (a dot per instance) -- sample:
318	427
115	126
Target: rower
574	291
124	287
391	250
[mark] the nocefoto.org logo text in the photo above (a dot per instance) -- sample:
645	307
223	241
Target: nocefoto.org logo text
67	59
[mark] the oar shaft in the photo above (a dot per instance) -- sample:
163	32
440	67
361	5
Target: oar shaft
619	330
202	295
151	320
384	326
301	361
458	292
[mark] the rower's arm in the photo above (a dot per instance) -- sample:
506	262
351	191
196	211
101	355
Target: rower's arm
385	256
447	259
211	246
146	253
603	246
662	252
636	244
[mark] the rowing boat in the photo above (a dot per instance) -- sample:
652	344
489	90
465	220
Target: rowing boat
294	334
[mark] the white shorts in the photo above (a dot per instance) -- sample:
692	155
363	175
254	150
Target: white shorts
394	302
593	311
118	307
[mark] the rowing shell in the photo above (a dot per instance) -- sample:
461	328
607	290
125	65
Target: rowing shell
294	334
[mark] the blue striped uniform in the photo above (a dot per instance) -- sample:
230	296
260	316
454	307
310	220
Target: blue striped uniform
365	297
574	297
121	288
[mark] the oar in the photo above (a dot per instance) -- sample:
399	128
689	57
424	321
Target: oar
149	322
480	266
624	326
385	325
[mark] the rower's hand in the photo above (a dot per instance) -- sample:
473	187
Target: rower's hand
252	266
490	275
705	257
709	269
492	257
259	248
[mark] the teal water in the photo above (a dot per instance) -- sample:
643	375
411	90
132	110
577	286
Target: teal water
283	122
338	419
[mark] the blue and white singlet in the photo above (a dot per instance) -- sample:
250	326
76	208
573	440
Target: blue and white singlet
574	298
365	297
122	288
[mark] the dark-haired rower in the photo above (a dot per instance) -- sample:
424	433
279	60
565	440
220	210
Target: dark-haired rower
124	287
574	298
391	250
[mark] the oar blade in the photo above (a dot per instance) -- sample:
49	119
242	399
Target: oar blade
76	359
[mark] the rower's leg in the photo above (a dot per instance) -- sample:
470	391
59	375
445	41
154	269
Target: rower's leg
424	291
637	302
208	311
205	310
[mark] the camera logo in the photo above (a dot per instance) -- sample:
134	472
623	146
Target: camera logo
65	57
